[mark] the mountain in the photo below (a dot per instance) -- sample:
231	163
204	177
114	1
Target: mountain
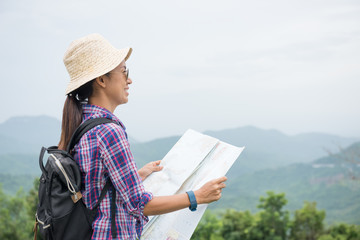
264	148
271	148
28	134
332	181
271	161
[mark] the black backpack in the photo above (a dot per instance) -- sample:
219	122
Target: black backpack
61	213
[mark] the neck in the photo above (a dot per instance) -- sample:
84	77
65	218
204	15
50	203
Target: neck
102	102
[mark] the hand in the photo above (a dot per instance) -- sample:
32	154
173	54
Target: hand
210	191
149	168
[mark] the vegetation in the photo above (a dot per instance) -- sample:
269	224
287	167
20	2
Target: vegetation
272	222
17	215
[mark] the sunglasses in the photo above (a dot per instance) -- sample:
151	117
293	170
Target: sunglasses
127	74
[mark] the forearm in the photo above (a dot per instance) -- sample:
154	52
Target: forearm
209	192
166	204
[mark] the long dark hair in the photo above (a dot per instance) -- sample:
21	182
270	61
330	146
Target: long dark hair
72	112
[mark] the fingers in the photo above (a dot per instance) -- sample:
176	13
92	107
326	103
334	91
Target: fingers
220	180
157	162
222	185
156	166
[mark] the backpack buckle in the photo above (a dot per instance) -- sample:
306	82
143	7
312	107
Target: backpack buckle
76	197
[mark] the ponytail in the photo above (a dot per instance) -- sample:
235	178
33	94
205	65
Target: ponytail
72	113
71	119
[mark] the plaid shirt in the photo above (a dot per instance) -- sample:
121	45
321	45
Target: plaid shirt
104	152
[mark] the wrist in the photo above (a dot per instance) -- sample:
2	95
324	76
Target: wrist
141	174
192	199
198	197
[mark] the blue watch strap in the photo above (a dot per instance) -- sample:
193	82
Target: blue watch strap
193	202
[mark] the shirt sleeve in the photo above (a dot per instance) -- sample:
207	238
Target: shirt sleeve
118	160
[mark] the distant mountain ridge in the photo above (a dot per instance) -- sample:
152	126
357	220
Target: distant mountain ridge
270	161
264	148
21	137
272	148
27	134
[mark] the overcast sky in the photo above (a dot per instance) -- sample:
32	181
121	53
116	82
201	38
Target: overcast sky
288	65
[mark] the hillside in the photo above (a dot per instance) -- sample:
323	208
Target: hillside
28	134
328	181
271	161
271	148
264	148
22	137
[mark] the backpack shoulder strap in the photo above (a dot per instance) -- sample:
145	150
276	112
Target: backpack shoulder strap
75	138
83	128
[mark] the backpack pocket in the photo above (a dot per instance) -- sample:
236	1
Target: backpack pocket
73	225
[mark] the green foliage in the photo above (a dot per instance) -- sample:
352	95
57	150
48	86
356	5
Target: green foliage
273	223
17	214
342	232
14	221
308	222
33	199
237	225
208	228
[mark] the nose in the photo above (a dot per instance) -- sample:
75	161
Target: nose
129	81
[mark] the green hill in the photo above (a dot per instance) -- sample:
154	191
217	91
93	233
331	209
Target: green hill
271	161
328	181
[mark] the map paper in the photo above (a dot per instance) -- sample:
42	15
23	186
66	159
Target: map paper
194	160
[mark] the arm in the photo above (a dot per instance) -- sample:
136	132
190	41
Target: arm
118	161
208	193
165	204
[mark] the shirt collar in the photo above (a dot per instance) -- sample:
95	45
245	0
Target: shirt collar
94	111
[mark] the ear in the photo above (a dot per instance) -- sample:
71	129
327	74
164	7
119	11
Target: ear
101	81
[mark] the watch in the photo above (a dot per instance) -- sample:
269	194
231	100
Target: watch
193	202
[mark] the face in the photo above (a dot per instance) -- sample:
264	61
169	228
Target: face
118	85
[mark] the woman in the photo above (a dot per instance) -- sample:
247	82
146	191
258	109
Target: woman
99	82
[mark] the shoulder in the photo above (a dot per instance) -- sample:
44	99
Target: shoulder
110	133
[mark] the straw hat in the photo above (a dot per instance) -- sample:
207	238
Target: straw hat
90	57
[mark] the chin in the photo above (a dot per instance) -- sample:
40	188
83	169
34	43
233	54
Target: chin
125	101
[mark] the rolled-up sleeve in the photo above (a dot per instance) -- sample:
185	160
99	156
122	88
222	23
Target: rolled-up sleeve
118	160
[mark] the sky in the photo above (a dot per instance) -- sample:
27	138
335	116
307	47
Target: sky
290	65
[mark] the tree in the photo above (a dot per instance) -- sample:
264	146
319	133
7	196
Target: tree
208	228
237	225
308	222
342	232
272	223
13	218
32	201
